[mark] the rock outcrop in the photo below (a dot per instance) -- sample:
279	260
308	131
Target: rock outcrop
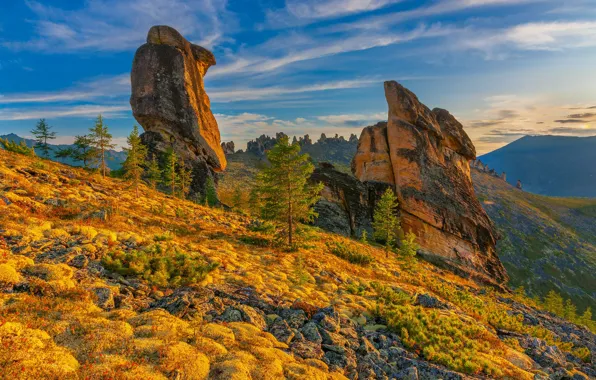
228	147
425	156
346	205
169	101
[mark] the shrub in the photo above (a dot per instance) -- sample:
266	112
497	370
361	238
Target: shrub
8	275
20	148
258	241
159	266
343	251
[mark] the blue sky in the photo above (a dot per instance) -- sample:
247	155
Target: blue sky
504	68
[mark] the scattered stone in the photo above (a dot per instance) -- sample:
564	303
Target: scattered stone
281	330
104	297
311	332
79	261
426	300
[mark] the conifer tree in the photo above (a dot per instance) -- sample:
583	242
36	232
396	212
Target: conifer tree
184	179
136	155
408	249
84	151
154	173
170	175
210	193
586	318
42	135
101	140
385	223
553	302
570	311
237	198
287	195
254	201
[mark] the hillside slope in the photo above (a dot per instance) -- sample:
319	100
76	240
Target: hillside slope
549	165
99	283
547	243
114	158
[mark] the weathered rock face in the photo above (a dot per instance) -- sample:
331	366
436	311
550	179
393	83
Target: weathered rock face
228	147
169	101
425	155
346	205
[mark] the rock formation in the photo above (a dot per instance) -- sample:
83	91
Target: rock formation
425	156
169	101
480	166
228	147
346	205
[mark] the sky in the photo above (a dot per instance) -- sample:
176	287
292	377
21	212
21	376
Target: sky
504	68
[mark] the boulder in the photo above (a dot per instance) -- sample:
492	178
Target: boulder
169	101
425	156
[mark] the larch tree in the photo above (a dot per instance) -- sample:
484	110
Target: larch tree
101	140
237	198
42	134
170	175
154	173
254	201
84	151
210	196
284	186
184	179
136	154
385	222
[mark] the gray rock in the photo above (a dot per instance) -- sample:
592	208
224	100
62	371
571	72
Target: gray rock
79	261
426	300
281	330
296	318
104	297
311	332
306	349
408	374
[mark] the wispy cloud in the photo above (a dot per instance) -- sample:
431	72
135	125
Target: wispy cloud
103	87
303	12
114	111
114	25
224	95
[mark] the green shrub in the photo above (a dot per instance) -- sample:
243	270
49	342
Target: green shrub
159	266
258	241
343	251
20	148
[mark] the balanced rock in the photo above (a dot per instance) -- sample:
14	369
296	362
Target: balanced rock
169	101
425	156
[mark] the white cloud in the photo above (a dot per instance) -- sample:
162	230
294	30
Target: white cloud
354	119
302	12
103	87
267	58
224	95
113	111
115	25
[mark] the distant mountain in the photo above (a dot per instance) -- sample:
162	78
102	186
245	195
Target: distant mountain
114	158
549	165
546	242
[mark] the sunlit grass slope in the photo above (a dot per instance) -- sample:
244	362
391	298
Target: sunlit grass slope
51	326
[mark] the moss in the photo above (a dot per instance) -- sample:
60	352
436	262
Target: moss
9	275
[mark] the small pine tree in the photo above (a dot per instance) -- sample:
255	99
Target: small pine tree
84	151
385	223
154	173
184	179
364	237
553	302
136	155
211	198
408	249
237	198
287	195
570	311
170	176
42	135
64	153
101	140
254	201
586	318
